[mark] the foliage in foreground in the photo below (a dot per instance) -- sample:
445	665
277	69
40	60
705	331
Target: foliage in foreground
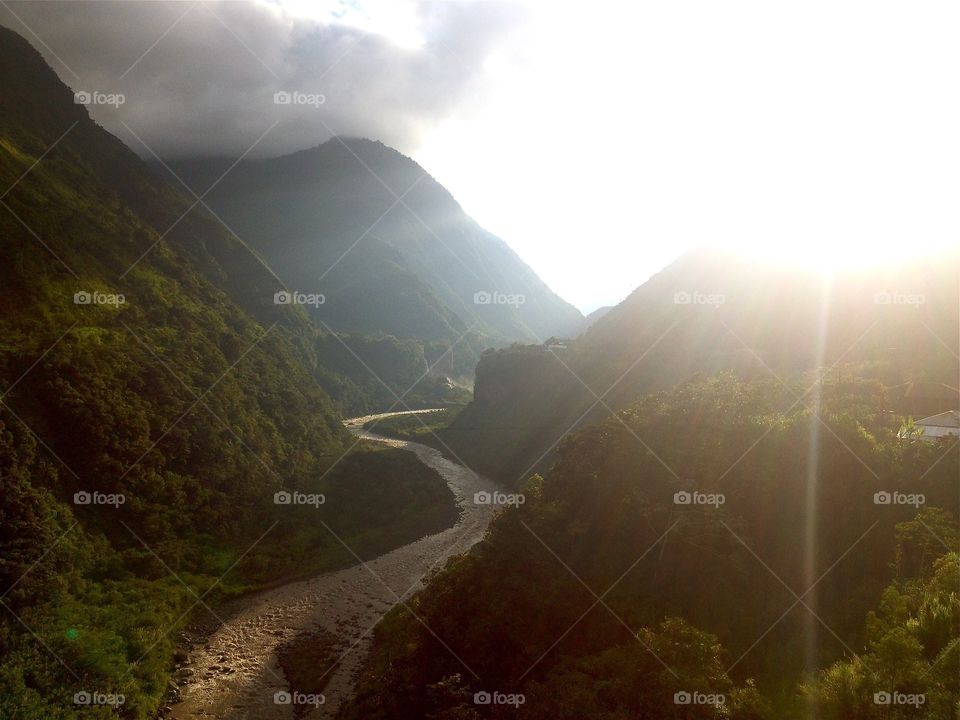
704	587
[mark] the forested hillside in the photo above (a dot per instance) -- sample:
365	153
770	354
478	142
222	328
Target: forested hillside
706	313
154	401
717	539
389	248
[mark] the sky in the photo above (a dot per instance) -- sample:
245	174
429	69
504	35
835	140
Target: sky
600	140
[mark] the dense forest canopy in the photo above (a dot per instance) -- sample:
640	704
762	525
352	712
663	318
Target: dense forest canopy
710	312
784	584
153	400
716	502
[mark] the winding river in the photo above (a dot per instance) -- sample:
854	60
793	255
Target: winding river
235	673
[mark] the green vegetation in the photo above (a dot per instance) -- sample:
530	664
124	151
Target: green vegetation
143	438
421	428
110	608
329	220
170	438
376	499
766	323
368	374
709	589
913	637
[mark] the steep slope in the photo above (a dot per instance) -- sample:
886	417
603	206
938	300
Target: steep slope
604	596
705	313
591	319
154	400
387	245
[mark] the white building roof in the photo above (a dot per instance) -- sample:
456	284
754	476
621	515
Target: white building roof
950	419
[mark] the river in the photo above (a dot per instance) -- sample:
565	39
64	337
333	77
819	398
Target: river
235	673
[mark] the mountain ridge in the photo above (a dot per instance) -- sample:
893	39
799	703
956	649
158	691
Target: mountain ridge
705	313
154	401
333	216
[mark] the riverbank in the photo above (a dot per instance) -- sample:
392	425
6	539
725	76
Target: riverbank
236	672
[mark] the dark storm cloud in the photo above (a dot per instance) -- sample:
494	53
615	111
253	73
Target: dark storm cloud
200	78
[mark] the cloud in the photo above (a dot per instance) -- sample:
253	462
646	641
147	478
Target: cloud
201	78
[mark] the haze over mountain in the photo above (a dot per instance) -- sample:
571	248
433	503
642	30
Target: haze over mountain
711	311
594	316
387	246
716	492
154	400
240	474
717	540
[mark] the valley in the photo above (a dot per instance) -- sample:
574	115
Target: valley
236	673
286	433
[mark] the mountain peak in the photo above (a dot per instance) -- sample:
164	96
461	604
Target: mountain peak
389	246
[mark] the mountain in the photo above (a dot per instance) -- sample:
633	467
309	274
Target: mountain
698	505
708	312
591	318
388	247
153	401
712	495
717	540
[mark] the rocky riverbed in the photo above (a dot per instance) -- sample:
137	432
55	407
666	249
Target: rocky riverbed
236	673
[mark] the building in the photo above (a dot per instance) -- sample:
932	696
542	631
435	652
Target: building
946	424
